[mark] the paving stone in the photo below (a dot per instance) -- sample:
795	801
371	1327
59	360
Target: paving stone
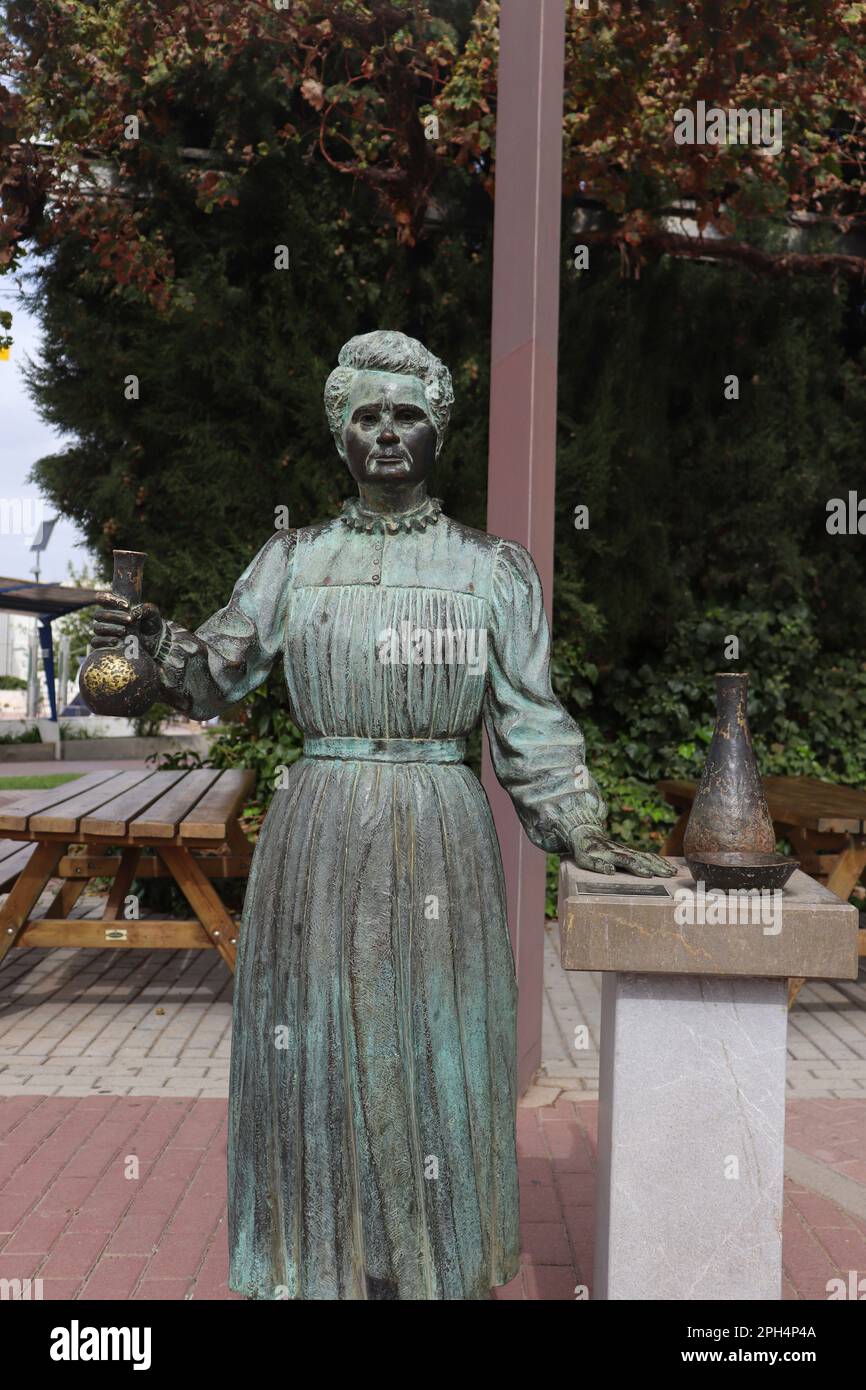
115	1277
92	1027
826	1038
82	1023
164	1235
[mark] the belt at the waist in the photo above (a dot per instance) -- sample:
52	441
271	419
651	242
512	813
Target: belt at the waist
388	750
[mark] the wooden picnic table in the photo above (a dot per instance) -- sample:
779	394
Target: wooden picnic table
162	822
825	824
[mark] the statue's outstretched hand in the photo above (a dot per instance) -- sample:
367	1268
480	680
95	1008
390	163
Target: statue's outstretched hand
591	849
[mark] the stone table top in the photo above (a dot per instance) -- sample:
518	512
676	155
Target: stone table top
675	926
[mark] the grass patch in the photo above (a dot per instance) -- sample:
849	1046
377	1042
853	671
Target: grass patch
26	784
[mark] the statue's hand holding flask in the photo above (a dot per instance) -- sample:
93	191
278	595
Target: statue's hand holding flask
119	676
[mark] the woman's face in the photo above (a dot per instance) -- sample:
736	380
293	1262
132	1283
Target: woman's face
388	435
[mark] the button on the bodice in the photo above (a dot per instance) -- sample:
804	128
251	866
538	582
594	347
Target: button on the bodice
376	559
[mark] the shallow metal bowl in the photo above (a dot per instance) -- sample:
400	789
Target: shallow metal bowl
741	870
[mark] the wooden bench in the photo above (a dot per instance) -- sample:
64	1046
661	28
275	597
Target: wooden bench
174	824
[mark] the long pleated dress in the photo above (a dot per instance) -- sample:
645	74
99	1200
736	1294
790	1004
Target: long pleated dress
372	1085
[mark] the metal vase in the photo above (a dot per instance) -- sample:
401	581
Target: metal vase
730	810
121	680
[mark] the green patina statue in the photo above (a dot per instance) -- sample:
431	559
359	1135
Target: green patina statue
372	1092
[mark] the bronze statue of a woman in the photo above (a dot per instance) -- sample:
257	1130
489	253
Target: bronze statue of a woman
372	1091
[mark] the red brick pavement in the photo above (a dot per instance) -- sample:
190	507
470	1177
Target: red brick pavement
832	1131
73	1213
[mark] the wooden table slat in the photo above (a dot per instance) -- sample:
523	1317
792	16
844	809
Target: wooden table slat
14	815
83	866
809	793
163	816
802	801
8	848
12	866
211	816
64	819
150	933
114	816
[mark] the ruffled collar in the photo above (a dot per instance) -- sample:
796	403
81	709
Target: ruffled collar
416	519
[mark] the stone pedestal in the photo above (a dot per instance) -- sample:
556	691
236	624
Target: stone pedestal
690	1137
692	1086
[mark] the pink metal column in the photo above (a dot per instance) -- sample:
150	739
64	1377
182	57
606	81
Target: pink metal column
522	463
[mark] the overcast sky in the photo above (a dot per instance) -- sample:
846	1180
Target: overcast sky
24	439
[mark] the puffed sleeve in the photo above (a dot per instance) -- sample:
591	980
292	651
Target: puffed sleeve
536	747
205	671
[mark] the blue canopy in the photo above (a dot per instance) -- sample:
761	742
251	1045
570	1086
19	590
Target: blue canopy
45	602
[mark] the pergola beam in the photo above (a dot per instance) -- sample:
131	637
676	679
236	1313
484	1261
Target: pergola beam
522	460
